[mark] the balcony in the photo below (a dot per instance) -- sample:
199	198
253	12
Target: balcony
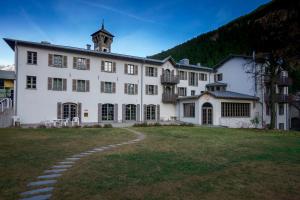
169	79
280	98
169	98
280	80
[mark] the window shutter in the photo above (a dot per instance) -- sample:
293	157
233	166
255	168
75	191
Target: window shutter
146	71
185	75
145	112
155	89
102	86
59	110
79	111
74	86
125	88
125	69
65	61
123	112
116	113
99	112
49	83
196	74
189	78
102	65
64	84
155	72
88	64
147	89
87	85
114	87
136	69
158	112
138	112
114	67
135	88
50	59
74	62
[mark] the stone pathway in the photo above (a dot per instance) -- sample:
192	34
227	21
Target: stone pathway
42	188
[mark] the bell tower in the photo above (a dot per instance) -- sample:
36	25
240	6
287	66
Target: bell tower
102	39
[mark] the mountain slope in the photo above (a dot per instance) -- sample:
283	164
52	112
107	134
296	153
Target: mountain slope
271	27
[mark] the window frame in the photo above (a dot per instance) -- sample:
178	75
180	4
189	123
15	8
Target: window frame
130	112
32	57
151	112
189	110
55	86
108	112
32	84
130	69
108	66
235	110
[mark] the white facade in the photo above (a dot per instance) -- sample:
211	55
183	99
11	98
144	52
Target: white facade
39	104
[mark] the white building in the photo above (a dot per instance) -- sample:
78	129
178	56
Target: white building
97	86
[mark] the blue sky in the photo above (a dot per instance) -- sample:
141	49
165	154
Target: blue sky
140	27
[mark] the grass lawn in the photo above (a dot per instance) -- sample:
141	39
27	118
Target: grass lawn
26	153
191	163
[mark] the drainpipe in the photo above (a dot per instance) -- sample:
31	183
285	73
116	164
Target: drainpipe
16	79
142	89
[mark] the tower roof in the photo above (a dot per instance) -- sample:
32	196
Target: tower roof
103	30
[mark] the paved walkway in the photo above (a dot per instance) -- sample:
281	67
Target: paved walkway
42	188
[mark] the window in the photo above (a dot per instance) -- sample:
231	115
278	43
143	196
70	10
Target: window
130	112
219	77
108	87
150	112
281	126
107	112
181	91
57	84
151	71
267	109
193	79
108	66
57	60
81	63
81	85
151	89
31	57
182	75
203	77
31	82
130	69
193	92
281	109
189	109
235	109
130	88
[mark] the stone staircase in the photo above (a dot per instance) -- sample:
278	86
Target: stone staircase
6	112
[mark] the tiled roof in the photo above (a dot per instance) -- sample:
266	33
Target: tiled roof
216	84
103	30
45	45
223	95
8	75
232	95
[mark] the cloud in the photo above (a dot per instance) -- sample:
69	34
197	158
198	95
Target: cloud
121	12
34	25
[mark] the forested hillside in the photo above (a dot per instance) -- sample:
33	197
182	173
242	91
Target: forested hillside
271	27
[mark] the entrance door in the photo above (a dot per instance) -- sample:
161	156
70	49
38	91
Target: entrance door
207	114
69	110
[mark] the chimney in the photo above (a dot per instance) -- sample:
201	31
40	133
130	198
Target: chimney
88	47
184	61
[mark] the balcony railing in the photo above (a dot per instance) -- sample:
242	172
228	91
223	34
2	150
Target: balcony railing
280	80
280	98
169	98
169	79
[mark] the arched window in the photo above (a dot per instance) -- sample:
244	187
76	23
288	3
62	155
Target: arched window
108	112
207	114
69	111
130	112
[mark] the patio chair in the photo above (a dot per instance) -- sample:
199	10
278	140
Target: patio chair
75	120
